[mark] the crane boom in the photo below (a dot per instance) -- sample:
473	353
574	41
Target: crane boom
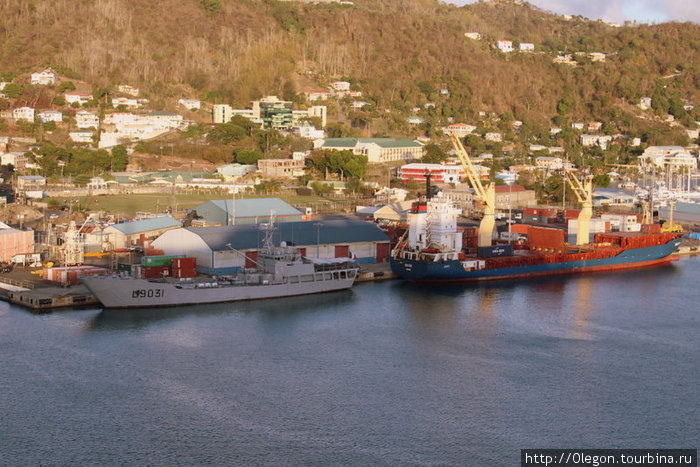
584	194
487	195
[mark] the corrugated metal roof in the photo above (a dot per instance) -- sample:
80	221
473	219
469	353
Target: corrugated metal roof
259	207
145	225
299	233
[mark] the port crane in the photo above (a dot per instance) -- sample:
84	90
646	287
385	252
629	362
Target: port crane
584	194
485	194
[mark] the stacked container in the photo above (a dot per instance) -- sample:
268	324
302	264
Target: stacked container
71	275
184	267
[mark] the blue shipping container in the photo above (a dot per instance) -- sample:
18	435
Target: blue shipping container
493	251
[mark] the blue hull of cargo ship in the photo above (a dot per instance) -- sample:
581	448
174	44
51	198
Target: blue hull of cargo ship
453	270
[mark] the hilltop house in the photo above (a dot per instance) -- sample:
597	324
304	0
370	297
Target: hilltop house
84	119
669	158
81	136
505	46
190	104
459	129
130	90
377	150
43	78
77	98
50	116
23	113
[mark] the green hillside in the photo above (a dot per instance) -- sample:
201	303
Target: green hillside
400	53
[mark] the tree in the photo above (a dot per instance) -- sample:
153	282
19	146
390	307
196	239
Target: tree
321	188
226	133
81	180
289	91
247	156
65	86
13	90
434	154
602	180
565	105
120	158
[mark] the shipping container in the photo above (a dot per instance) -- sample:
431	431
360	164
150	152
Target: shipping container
519	228
156	272
124	267
182	273
571	214
71	274
545	238
184	263
159	260
153	252
493	251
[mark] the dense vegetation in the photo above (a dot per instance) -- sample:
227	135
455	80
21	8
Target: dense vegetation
400	53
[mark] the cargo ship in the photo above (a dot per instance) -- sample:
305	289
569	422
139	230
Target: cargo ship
433	251
280	272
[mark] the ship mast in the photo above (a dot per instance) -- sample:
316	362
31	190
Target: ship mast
487	195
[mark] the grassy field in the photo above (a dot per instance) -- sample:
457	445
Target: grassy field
127	205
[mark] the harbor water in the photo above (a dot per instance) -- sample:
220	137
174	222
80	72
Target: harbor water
387	373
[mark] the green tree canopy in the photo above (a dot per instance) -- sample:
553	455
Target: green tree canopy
434	154
247	156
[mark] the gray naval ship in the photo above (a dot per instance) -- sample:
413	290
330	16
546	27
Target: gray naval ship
280	272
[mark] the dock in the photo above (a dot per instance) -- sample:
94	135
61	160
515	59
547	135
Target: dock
21	287
375	272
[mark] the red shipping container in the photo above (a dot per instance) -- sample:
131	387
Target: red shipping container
545	237
184	263
571	213
519	228
153	252
180	273
156	272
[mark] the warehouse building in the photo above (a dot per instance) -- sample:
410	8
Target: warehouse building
226	249
246	211
14	242
139	232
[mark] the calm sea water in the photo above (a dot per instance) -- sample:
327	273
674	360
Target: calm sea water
385	374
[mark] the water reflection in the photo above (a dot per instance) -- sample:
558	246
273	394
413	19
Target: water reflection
582	309
271	311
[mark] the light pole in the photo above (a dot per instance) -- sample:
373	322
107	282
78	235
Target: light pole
510	220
